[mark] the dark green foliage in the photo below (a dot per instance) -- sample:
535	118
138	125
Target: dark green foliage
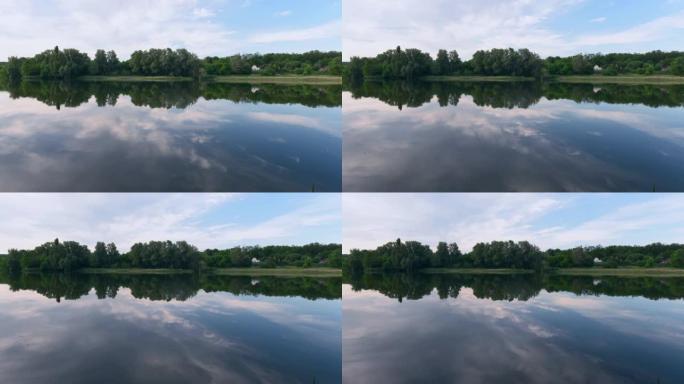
398	64
70	63
505	62
52	256
310	255
402	256
308	63
412	255
56	64
656	62
69	256
164	62
412	63
162	254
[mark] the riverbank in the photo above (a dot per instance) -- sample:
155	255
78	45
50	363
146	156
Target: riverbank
251	79
626	79
625	272
285	271
593	79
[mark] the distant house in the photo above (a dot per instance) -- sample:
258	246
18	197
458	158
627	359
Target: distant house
597	260
255	68
255	260
597	68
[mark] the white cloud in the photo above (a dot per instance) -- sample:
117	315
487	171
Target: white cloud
371	27
370	220
323	31
32	26
124	26
32	219
598	20
203	12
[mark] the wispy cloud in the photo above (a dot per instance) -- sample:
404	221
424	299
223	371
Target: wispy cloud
284	13
374	26
206	220
323	31
373	219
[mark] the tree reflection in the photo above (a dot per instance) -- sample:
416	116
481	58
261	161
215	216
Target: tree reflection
172	94
170	287
514	286
518	94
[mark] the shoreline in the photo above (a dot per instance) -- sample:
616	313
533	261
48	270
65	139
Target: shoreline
582	79
619	272
251	79
285	271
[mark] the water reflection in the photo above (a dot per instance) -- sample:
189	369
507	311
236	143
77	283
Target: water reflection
139	137
181	94
169	329
516	286
521	94
513	329
521	136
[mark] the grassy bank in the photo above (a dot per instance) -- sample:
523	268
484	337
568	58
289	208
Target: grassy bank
626	272
593	79
478	271
287	271
626	79
252	79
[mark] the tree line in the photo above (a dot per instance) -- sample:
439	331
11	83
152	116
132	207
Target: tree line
411	256
413	63
70	256
70	63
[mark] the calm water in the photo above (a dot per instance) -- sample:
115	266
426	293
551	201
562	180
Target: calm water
522	136
169	329
513	329
116	137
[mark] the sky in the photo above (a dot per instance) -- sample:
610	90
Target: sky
547	220
205	27
204	220
548	27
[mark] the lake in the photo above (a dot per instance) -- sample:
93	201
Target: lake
512	329
512	136
169	329
169	137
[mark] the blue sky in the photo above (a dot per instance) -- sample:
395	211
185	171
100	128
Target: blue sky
205	220
207	27
550	27
548	220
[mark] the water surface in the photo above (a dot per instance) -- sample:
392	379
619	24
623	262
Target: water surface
169	137
512	329
169	329
521	136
